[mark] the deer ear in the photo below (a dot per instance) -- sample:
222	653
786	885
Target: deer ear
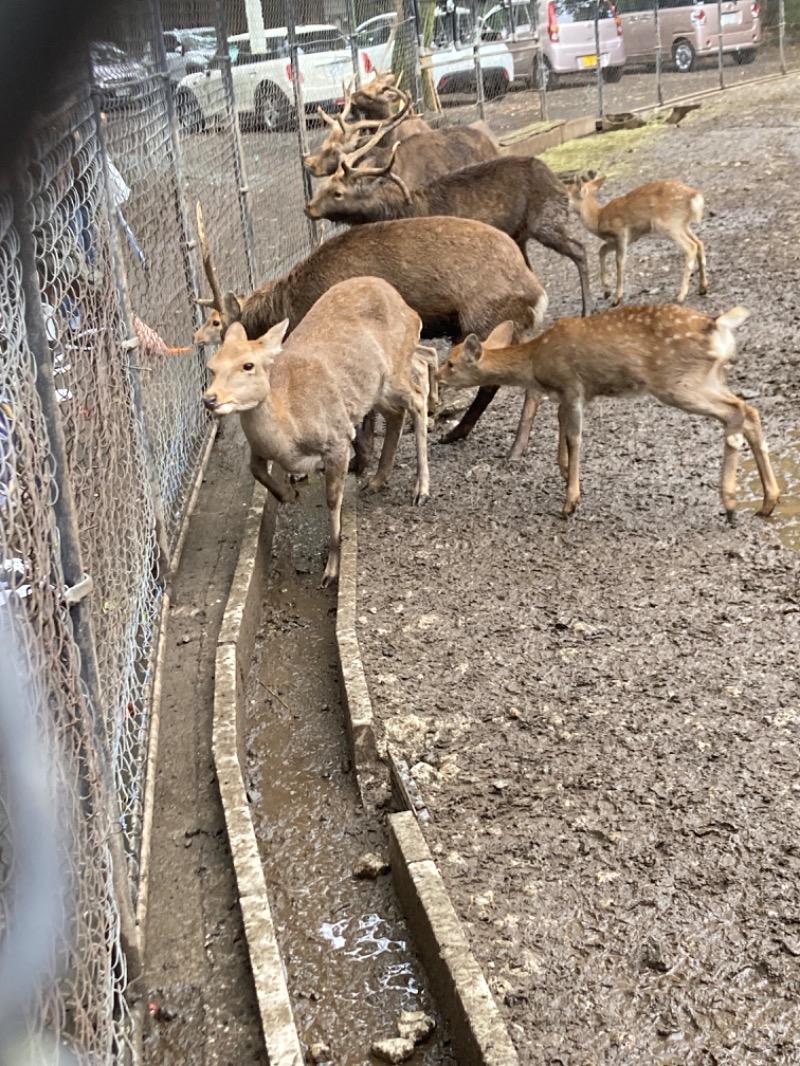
472	348
501	336
236	331
598	181
273	338
231	307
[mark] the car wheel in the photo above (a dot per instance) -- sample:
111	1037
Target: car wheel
190	117
683	56
744	55
494	86
611	74
548	78
273	110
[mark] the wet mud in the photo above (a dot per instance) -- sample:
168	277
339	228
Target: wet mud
350	966
602	713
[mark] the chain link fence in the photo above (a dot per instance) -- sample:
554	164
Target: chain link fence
101	426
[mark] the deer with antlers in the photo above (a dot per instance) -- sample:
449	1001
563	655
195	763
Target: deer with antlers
677	355
522	197
422	155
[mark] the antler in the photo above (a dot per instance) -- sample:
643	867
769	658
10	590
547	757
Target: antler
376	172
384	127
208	266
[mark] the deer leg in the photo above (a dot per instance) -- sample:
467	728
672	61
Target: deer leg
758	445
701	256
394	427
622	253
554	234
573	431
563	452
418	405
686	243
484	396
527	415
431	357
363	444
604	251
335	474
282	492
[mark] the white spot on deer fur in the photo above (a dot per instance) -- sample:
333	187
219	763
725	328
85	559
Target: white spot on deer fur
735	440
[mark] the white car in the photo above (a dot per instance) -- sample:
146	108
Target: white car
262	82
451	55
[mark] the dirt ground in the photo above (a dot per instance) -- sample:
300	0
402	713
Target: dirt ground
602	712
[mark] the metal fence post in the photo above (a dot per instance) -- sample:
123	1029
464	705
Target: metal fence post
476	59
719	44
242	183
600	101
350	7
659	86
96	746
300	107
782	34
540	70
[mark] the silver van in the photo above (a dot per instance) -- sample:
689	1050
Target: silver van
566	30
689	31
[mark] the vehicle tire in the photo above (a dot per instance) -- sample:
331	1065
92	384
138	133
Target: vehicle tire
495	86
683	56
550	80
190	117
612	74
274	113
744	55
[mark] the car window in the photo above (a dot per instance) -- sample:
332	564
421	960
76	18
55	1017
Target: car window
377	34
201	41
454	27
581	10
108	53
320	41
171	42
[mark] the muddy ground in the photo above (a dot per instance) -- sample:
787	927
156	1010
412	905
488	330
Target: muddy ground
602	713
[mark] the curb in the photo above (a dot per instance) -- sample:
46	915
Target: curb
235	646
476	1026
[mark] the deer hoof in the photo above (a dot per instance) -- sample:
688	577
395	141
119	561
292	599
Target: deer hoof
731	518
328	580
703	290
767	507
421	500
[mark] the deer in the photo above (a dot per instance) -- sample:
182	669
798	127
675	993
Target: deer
677	355
299	400
460	276
666	207
421	156
522	197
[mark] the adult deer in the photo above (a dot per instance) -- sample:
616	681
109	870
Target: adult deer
356	351
460	276
666	208
420	157
521	197
674	354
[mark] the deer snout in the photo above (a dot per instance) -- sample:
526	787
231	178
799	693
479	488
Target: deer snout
210	401
311	211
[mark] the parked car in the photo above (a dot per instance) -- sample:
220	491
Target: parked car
262	81
189	51
689	31
118	77
566	28
451	56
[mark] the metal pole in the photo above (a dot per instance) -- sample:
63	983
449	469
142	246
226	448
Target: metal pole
300	108
659	86
414	19
96	747
782	33
540	71
243	186
476	59
350	7
600	102
719	44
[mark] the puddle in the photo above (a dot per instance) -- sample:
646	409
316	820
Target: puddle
349	962
786	462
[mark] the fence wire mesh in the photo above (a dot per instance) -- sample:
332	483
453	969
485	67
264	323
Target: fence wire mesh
101	427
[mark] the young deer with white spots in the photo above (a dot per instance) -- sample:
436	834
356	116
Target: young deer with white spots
665	208
356	351
674	354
